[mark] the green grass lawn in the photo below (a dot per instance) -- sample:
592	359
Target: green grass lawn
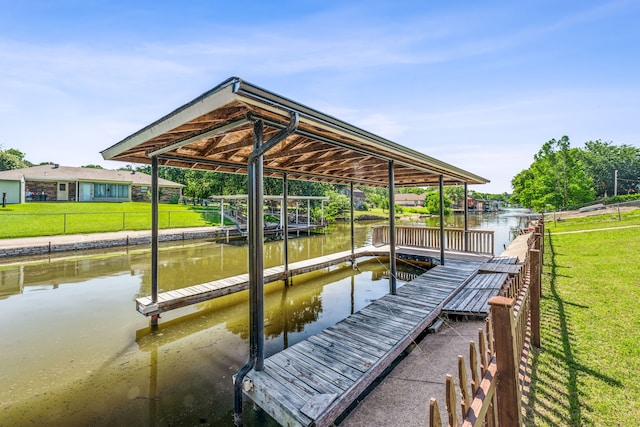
46	219
598	221
586	372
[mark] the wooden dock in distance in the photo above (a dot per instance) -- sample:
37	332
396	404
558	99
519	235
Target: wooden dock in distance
314	381
190	295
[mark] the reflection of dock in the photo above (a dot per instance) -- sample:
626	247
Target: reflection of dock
183	297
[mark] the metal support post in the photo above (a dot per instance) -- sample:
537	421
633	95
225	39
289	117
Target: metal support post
392	230
441	185
353	239
285	226
466	217
256	255
154	236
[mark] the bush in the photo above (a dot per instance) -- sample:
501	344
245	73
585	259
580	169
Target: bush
174	199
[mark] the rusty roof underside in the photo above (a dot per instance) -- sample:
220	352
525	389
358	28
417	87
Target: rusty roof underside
215	132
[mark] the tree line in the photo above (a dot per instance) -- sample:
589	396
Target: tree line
562	176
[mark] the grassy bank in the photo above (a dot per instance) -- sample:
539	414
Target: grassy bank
586	372
46	219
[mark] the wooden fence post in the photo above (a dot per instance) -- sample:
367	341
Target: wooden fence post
508	395
535	286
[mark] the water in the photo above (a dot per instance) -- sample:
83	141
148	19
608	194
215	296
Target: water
75	352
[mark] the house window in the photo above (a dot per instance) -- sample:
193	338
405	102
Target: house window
123	191
110	191
62	187
99	191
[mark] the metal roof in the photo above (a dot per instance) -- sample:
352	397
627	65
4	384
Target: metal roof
215	132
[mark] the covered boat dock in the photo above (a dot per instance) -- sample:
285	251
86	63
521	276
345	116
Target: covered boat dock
238	127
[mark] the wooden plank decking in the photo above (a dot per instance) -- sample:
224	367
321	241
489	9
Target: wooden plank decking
472	299
171	300
315	380
190	295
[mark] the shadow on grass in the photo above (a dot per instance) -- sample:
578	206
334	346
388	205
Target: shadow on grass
555	396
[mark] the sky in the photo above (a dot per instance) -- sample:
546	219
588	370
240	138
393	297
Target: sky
480	85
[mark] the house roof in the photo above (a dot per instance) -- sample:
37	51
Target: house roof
409	197
215	132
68	173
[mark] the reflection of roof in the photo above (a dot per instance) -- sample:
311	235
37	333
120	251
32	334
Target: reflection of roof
215	132
68	173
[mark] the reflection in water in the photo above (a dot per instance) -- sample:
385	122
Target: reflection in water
75	352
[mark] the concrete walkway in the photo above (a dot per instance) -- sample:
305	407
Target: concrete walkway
402	397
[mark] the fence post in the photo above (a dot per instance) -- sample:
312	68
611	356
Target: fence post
65	225
124	216
535	286
509	400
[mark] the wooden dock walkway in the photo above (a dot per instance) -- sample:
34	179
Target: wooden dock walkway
472	299
314	381
171	300
190	295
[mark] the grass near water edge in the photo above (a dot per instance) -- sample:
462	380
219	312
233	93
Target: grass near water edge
586	372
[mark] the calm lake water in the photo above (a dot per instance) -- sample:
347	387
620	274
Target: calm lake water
75	351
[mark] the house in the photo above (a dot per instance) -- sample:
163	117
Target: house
55	183
409	199
359	198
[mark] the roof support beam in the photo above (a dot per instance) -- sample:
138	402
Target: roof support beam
200	136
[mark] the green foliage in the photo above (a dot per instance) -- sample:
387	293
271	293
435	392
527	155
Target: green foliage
12	159
455	193
602	159
339	206
376	197
556	179
623	198
432	203
585	373
93	167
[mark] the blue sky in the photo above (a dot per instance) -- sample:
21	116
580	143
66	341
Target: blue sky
481	85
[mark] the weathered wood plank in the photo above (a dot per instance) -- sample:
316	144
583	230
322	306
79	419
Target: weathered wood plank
360	347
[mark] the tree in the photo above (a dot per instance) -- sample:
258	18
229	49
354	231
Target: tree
602	159
339	206
556	179
92	167
432	203
455	193
12	159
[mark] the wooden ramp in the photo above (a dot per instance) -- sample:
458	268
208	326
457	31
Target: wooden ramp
314	381
472	299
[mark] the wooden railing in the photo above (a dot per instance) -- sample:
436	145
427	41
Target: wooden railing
494	398
475	241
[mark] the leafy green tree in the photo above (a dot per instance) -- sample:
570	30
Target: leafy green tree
602	159
432	203
12	159
556	179
339	206
455	193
